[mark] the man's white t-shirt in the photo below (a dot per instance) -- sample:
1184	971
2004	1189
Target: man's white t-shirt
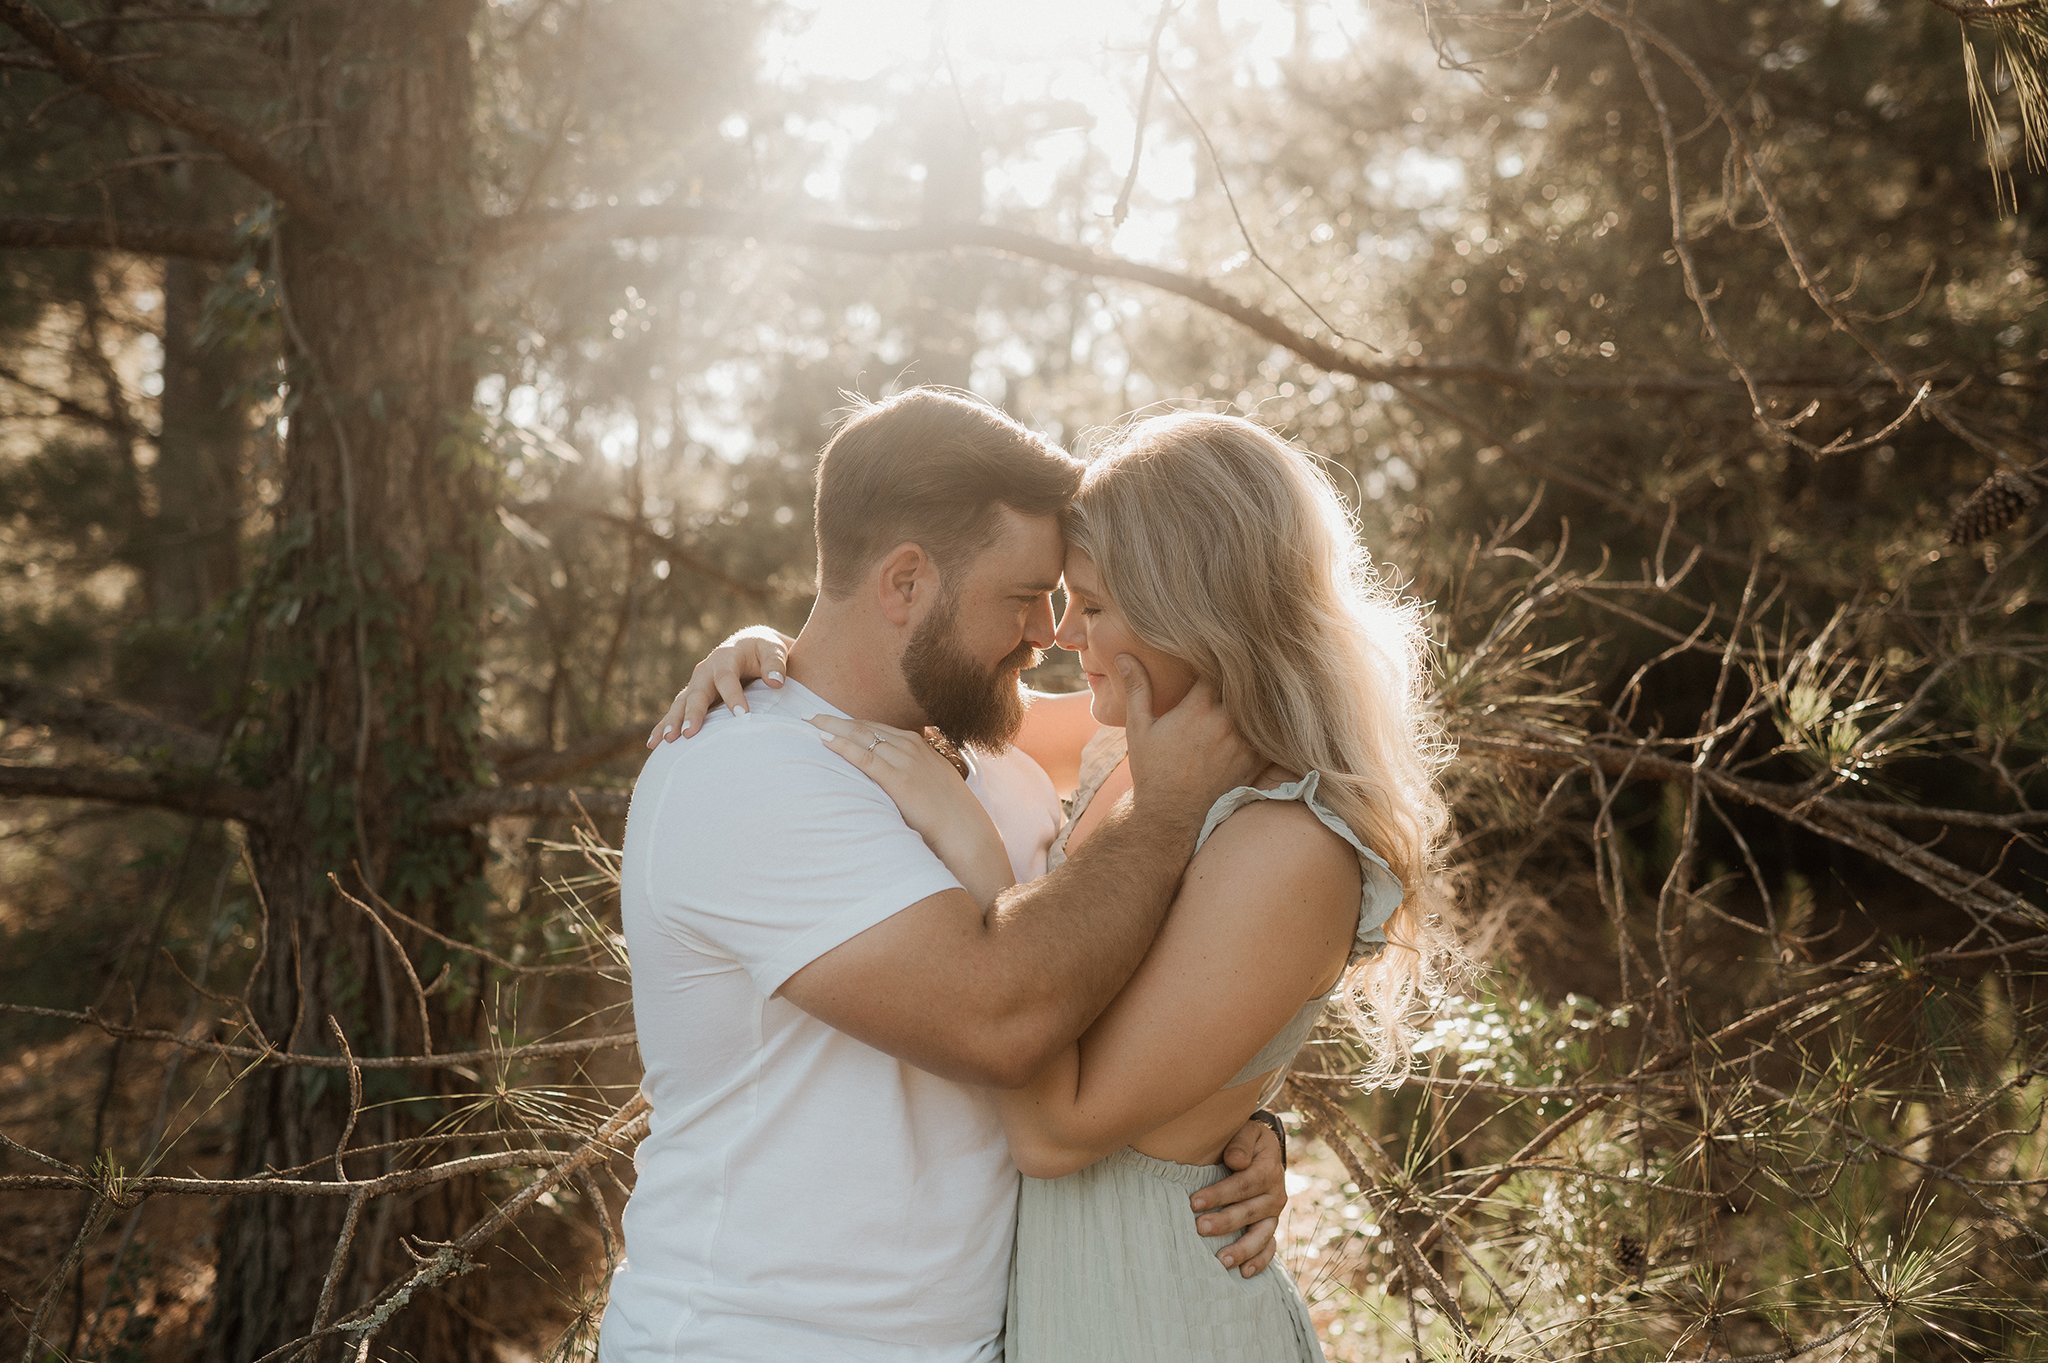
800	1194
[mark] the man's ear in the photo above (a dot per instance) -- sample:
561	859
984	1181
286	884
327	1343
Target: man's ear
904	574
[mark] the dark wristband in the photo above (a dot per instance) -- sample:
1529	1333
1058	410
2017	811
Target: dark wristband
1265	1118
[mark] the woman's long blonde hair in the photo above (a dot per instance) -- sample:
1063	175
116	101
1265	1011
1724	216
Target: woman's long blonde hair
1228	548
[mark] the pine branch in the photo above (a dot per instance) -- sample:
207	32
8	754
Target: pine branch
134	732
1988	9
66	406
146	790
1849	824
190	242
243	150
270	1055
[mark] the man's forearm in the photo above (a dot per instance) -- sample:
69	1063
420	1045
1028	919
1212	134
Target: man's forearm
1073	938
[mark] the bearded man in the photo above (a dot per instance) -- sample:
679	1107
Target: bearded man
822	1007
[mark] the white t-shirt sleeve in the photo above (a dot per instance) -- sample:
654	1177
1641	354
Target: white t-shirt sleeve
768	848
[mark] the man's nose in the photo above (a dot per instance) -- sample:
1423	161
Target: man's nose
1039	630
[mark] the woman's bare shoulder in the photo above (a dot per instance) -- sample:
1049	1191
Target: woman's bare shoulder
1283	841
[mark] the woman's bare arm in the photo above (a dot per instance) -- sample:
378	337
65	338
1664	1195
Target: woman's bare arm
1261	924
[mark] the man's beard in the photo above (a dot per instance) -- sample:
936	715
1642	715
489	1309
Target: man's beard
969	705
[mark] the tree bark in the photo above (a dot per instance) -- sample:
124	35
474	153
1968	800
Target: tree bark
387	499
196	550
941	322
188	548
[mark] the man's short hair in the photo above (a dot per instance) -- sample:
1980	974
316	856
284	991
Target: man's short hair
931	466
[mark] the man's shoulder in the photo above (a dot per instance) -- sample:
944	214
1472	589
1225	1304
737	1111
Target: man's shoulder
754	763
755	747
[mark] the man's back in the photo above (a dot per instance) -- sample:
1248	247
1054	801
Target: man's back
800	1194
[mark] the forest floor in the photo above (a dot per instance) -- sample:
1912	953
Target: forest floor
143	1288
151	1306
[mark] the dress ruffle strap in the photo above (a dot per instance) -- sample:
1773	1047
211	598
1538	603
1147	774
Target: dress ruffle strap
1381	892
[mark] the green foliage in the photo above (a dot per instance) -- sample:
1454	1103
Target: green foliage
1823	1181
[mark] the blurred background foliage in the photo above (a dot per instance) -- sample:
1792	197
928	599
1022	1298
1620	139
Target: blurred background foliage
1688	355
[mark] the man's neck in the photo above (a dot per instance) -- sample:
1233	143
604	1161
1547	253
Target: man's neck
845	666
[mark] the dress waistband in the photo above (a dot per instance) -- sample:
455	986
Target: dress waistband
1186	1175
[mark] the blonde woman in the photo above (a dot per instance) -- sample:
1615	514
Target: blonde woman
1201	548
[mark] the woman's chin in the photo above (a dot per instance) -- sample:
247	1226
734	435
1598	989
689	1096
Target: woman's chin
1105	711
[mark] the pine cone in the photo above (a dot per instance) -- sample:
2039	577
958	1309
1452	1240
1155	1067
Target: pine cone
1631	1255
1998	501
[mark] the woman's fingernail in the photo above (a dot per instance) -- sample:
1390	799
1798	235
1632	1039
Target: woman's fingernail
1229	1261
1204	1225
774	677
669	732
1200	1202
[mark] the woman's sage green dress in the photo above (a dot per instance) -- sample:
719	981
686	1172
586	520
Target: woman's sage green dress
1109	1267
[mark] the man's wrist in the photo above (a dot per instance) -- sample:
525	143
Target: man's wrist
1272	1119
1170	811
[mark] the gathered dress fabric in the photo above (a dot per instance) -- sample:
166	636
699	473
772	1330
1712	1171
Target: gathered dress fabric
1109	1267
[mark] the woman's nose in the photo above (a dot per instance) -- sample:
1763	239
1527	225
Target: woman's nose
1067	634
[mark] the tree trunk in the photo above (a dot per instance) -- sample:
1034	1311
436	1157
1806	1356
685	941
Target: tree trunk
196	559
373	702
941	323
189	546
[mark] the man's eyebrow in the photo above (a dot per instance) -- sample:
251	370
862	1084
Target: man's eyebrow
1036	588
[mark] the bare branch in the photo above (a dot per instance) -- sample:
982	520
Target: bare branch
690	560
1817	813
1123	197
1989	9
627	1124
530	802
519	767
110	723
190	242
398	1181
532	1050
690	220
206	797
1633	27
243	150
67	406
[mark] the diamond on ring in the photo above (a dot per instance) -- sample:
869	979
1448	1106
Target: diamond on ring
874	742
